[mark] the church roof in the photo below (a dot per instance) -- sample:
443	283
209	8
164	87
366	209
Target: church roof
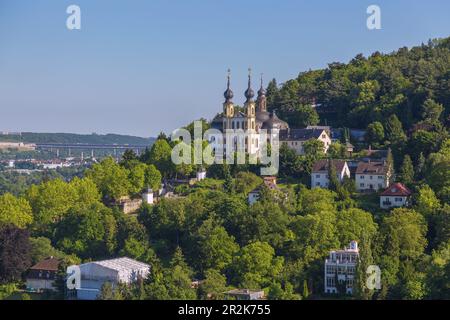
274	122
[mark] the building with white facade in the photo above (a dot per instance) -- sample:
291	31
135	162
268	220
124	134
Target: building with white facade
319	174
269	182
296	138
372	175
395	196
251	128
42	275
341	266
95	274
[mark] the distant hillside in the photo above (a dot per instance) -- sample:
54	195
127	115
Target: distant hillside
369	89
31	137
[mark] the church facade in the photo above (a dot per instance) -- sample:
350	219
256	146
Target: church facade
249	129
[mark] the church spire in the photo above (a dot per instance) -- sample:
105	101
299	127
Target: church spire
228	94
249	93
261	100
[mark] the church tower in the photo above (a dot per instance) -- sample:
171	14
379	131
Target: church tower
250	105
228	106
261	101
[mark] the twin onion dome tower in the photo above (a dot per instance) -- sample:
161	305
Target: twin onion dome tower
255	115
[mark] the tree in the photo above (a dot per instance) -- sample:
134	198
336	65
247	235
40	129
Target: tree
303	116
334	183
15	211
394	130
256	265
110	178
314	148
426	202
14	253
153	177
160	156
277	292
406	174
90	233
136	176
50	201
246	182
337	150
128	158
431	111
107	292
215	247
213	286
375	132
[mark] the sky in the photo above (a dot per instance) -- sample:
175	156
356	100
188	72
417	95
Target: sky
144	66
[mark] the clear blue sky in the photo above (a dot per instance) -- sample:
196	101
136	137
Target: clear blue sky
139	67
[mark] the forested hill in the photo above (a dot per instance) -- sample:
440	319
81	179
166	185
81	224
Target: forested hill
31	137
369	89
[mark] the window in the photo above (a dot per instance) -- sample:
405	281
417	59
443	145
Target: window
398	200
362	177
317	176
380	177
361	185
317	183
371	177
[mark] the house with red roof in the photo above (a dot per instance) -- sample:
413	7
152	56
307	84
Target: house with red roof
397	195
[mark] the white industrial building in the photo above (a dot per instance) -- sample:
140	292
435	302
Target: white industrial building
341	266
95	274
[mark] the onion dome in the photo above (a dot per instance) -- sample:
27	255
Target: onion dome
249	93
274	123
228	94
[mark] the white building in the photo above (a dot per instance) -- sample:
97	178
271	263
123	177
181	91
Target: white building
115	271
42	275
201	175
319	174
396	195
251	128
269	181
147	196
341	266
296	138
372	176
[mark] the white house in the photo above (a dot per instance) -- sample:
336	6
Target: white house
372	175
396	195
296	138
95	274
341	265
42	275
269	181
319	174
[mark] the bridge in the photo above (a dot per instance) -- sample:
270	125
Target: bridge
69	147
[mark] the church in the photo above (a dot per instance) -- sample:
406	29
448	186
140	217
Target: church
257	124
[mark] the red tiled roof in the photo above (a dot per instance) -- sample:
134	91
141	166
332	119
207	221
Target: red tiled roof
397	189
49	264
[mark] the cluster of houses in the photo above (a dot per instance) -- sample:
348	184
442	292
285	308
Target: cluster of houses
368	176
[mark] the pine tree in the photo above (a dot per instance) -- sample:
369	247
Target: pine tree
420	166
305	289
406	174
332	177
390	165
